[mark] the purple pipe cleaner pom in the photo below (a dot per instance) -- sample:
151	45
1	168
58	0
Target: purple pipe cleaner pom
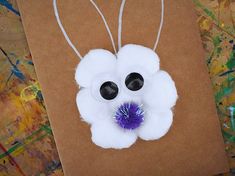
129	115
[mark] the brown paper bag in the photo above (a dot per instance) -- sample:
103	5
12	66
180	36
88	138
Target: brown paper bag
194	144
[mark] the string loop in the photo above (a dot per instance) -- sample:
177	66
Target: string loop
160	27
63	30
120	24
107	27
106	24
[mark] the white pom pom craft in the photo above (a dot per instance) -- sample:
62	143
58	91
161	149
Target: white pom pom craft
123	95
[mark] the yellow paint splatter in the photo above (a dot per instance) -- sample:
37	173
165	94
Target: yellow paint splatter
204	23
30	92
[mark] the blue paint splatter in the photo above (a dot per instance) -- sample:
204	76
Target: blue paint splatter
17	62
14	70
30	63
9	6
17	73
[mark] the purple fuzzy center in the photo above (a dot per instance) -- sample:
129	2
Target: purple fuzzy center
129	115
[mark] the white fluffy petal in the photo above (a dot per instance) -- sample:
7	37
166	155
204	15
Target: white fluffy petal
107	134
97	61
90	109
162	93
155	125
134	56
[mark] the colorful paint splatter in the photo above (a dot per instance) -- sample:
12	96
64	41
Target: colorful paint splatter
26	142
217	27
27	146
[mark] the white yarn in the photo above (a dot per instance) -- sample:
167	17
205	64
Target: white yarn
120	24
107	27
105	23
63	30
161	25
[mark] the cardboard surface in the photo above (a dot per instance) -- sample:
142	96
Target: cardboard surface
193	146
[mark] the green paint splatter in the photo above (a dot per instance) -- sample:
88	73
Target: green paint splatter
231	60
45	128
206	10
216	41
218	50
228	136
222	93
231	79
211	15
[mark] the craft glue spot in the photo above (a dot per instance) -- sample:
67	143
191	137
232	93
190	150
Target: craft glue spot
129	115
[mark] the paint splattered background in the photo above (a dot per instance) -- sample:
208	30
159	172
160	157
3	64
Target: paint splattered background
216	20
27	146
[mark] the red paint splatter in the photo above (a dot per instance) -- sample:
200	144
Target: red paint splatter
12	161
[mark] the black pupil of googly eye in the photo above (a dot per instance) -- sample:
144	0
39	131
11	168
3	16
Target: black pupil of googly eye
109	90
134	81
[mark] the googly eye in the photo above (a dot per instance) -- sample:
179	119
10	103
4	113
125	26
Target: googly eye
109	90
134	81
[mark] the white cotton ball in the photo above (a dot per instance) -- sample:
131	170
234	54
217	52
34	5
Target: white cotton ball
107	134
90	109
161	94
131	56
157	95
155	125
95	62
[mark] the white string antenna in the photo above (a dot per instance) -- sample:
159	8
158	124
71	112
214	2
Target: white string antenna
120	24
106	25
161	25
63	30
